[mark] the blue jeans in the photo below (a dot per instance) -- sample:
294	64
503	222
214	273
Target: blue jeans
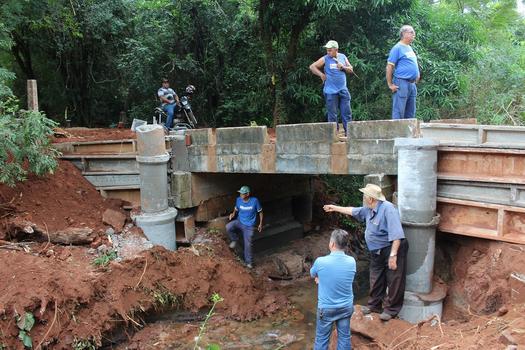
325	319
404	100
340	100
169	108
234	228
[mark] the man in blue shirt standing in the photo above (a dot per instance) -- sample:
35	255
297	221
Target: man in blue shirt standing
334	274
388	248
247	207
402	62
335	66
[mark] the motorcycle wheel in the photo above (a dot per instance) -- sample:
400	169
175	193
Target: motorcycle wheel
192	119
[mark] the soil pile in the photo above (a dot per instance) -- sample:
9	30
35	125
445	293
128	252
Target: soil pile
73	301
95	134
478	271
54	202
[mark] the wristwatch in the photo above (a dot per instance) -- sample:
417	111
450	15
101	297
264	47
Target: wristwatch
392	255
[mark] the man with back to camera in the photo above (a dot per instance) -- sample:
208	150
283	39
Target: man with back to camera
334	274
402	64
169	99
247	208
335	66
388	248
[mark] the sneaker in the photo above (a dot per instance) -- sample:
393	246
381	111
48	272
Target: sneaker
250	266
385	317
233	244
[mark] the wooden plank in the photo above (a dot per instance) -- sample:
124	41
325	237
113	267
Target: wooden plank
483	220
475	164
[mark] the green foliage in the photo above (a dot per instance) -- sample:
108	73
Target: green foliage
165	298
215	299
347	189
24	143
104	259
84	344
25	323
249	58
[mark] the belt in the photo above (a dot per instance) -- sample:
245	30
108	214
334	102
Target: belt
409	80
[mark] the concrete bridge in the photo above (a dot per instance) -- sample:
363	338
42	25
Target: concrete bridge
481	170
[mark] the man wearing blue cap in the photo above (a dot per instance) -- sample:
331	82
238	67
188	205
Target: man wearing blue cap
247	208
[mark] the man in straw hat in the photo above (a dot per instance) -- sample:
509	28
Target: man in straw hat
335	66
388	251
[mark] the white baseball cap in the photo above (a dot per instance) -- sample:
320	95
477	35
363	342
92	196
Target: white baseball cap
332	44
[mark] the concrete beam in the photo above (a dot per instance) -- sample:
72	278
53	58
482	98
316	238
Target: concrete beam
496	136
487	192
483	220
383	129
481	165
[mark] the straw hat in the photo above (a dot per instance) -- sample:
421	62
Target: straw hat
373	191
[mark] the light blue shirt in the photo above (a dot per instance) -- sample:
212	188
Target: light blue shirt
248	210
335	78
383	224
404	60
336	274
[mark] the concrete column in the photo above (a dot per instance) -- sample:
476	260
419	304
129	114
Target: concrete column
417	188
156	219
32	95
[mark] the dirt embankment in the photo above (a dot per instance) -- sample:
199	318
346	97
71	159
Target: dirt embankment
95	134
74	301
54	202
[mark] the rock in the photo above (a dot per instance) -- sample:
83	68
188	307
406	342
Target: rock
110	231
102	249
502	311
507	338
92	251
114	218
50	253
72	235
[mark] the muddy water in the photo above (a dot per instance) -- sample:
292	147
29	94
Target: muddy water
292	329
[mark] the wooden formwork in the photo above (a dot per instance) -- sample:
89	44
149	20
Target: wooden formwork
483	220
482	164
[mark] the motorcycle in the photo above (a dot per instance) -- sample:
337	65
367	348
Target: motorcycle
183	115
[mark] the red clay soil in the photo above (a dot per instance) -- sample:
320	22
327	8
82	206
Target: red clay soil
95	134
481	272
56	201
72	300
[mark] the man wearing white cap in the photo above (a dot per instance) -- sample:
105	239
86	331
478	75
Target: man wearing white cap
335	66
388	251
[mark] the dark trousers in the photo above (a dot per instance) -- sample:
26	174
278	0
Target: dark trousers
382	277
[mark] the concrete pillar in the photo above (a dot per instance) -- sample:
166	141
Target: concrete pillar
32	95
417	188
156	219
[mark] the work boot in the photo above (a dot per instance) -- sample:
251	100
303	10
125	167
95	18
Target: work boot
367	311
385	317
233	244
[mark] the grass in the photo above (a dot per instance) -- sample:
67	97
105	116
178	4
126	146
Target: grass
215	299
84	344
165	298
105	258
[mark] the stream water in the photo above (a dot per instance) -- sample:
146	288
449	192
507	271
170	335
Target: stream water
293	329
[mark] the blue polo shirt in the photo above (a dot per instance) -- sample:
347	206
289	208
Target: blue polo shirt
336	274
404	60
248	210
335	78
383	224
